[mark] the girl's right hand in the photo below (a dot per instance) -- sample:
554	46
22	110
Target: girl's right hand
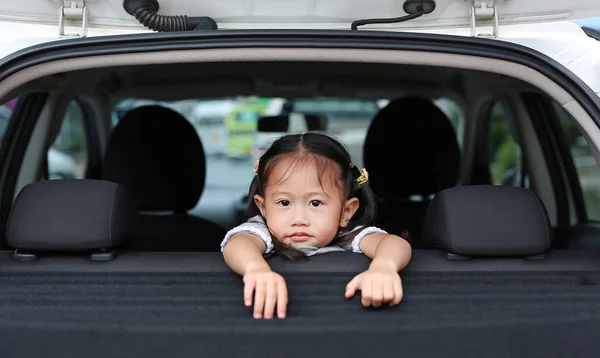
271	292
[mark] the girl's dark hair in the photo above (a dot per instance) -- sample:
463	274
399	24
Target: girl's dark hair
324	151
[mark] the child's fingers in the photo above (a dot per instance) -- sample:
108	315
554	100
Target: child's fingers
259	298
366	288
270	299
398	292
249	285
388	292
282	299
352	286
377	295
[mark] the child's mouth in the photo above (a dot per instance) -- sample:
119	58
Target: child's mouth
300	237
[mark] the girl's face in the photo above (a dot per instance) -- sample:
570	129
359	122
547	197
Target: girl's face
301	210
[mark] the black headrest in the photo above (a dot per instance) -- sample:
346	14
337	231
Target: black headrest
488	220
71	215
411	149
314	122
157	155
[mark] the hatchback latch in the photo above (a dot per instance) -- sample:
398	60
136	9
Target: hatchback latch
484	10
73	10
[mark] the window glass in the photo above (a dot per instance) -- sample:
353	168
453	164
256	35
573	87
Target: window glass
456	116
331	107
505	164
6	111
588	170
228	129
68	155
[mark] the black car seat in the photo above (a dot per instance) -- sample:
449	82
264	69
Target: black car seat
411	152
157	155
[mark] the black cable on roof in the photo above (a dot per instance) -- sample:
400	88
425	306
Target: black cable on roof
146	12
414	9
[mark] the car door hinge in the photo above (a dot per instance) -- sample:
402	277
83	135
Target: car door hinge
484	10
73	10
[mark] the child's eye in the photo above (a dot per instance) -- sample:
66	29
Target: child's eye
315	203
284	203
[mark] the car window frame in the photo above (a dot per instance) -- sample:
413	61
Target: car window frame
571	173
93	168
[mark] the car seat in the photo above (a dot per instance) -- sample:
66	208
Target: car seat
157	155
411	152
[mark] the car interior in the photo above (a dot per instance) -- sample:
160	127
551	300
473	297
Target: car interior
485	163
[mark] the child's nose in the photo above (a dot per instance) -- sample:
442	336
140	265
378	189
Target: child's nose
300	217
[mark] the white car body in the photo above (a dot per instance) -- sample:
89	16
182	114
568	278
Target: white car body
539	24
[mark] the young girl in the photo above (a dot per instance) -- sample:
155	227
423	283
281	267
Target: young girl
308	198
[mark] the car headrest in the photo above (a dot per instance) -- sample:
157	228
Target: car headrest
281	123
488	220
157	155
71	215
411	149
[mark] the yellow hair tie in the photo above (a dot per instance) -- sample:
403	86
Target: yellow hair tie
363	178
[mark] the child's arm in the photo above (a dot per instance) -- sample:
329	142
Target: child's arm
243	254
387	249
381	282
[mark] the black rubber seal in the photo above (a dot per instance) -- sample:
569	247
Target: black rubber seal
488	48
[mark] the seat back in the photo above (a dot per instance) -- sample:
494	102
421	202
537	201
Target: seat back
411	153
157	155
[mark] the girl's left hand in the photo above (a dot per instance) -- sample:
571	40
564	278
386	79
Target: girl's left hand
378	285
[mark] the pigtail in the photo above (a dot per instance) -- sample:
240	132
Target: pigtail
369	203
357	183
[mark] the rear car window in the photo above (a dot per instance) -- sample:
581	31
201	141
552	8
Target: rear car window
506	160
6	111
68	154
587	168
228	130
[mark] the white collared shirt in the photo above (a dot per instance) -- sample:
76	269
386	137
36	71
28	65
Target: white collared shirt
256	226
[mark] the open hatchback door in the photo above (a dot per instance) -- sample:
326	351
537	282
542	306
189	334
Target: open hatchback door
429	15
